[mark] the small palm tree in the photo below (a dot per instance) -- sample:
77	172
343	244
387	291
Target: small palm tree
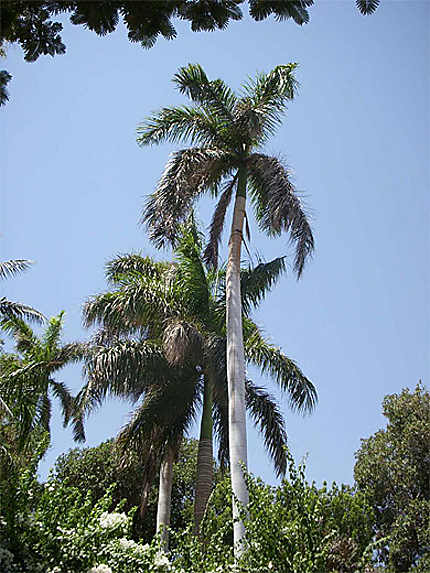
228	132
183	306
28	378
8	308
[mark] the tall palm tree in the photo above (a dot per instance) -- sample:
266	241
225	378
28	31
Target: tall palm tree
183	305
228	132
28	378
9	308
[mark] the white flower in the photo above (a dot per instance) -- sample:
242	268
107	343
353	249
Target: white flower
112	520
102	568
161	561
127	543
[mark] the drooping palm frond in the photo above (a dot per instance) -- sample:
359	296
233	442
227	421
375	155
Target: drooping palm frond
255	282
25	339
167	410
277	206
125	368
188	174
9	309
367	6
269	420
11	268
210	255
301	392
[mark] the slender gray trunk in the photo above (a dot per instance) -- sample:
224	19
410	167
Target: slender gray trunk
165	496
236	366
205	468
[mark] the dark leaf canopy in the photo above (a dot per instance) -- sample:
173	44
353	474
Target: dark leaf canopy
367	6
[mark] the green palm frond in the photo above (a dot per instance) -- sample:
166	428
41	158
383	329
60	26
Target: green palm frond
259	111
256	282
51	337
126	368
132	265
25	339
277	206
62	393
13	267
188	174
268	419
214	95
178	125
217	224
167	410
269	359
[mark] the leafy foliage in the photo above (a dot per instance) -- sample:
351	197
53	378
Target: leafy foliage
393	470
294	528
103	468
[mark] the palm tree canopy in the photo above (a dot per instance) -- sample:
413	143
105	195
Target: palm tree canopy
28	379
227	131
181	307
9	309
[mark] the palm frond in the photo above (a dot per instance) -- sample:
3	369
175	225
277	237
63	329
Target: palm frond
367	6
188	174
215	95
281	9
277	206
21	331
71	353
62	393
133	264
51	337
189	274
259	112
12	267
126	369
269	359
9	309
167	409
255	282
179	125
269	420
210	255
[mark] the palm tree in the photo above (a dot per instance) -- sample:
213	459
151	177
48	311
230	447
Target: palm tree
183	305
14	309
27	379
227	132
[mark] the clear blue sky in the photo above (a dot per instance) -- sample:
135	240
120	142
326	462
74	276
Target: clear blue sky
73	182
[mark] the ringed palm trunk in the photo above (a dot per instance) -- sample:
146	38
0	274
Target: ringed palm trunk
236	366
205	469
165	496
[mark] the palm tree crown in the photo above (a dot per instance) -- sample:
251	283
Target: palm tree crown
227	131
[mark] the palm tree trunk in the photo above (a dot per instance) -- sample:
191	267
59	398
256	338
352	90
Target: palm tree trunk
165	496
205	468
236	365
